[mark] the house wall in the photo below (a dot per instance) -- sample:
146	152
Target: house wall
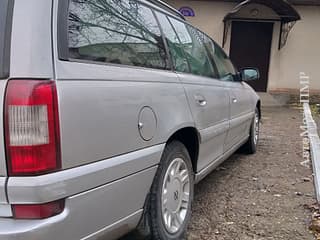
300	54
302	51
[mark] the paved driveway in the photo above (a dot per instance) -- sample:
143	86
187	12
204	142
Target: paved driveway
259	196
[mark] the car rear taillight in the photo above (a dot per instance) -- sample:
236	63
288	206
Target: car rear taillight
32	127
38	211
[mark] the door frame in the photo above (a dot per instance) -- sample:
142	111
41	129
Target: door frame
248	20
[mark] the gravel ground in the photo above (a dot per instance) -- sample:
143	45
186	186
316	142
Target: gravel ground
259	196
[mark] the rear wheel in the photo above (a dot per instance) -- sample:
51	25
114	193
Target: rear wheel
171	194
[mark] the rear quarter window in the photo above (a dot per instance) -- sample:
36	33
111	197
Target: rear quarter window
120	32
6	9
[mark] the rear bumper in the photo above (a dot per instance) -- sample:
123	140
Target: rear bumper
49	229
110	210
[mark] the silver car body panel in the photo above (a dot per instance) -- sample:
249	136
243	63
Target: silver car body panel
101	106
111	210
3	165
242	107
211	119
5	41
5	209
31	42
208	133
30	57
3	194
50	187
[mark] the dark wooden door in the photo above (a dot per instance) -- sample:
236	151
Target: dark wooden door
250	47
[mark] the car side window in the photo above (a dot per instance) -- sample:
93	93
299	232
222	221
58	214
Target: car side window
194	49
223	64
120	32
176	51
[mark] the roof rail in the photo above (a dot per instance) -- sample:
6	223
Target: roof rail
167	7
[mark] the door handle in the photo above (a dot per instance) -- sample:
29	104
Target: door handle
201	101
234	100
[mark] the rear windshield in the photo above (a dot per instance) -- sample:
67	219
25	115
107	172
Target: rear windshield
6	8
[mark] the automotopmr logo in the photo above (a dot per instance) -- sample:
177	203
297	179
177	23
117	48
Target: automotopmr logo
305	99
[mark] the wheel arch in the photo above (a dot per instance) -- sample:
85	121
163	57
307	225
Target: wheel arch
190	138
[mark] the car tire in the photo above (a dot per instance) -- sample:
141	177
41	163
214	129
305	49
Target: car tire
171	194
250	146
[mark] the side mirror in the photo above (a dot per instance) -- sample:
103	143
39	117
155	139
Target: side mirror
249	74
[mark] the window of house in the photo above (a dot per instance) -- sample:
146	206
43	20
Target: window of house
120	32
194	49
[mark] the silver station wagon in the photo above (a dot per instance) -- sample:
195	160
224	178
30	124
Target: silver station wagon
112	111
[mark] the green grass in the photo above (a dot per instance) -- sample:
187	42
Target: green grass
315	109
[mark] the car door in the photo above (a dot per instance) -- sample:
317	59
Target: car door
240	114
208	98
